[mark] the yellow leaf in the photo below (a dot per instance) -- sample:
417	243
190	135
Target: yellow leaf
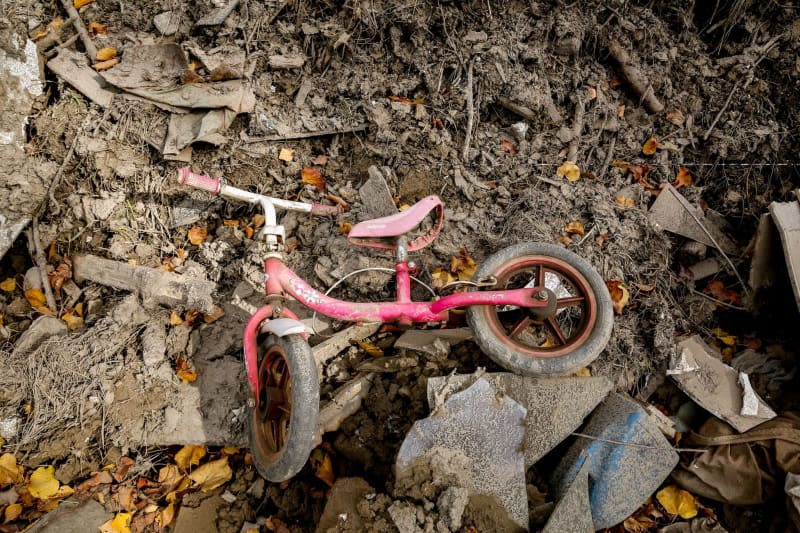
73	320
230	222
63	491
43	484
258	220
175	318
312	176
677	502
187	376
583	373
120	523
80	3
323	467
620	164
95	28
575	228
569	170
35	297
620	295
104	54
683	178
370	348
650	146
441	277
166	515
10	472
624	201
212	474
8	285
170	477
548	343
12	512
229	450
286	154
189	455
726	338
344	228
105	65
197	235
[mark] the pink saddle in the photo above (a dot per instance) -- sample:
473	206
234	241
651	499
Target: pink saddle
383	232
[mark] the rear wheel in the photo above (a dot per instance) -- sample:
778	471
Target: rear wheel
283	423
561	338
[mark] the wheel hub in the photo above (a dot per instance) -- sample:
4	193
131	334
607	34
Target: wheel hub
546	311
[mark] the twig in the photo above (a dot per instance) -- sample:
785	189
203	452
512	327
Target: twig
69	42
41	263
307	134
608	158
577	127
525	112
636	445
636	80
51	189
470	114
720	302
81	29
588	234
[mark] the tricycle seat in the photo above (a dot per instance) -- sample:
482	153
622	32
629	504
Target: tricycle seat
383	232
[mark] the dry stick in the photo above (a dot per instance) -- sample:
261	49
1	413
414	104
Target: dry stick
80	28
609	155
470	114
57	179
636	80
525	112
308	134
577	127
41	263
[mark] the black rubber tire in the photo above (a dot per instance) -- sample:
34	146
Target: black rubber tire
511	359
303	421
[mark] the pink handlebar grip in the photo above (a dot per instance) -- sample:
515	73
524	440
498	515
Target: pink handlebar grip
198	181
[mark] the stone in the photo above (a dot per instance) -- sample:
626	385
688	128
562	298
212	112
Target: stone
69	518
42	329
167	22
404	516
555	406
376	198
451	504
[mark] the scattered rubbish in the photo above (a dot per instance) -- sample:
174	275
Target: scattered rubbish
555	406
341	511
286	61
159	286
770	372
346	401
672	212
786	216
218	16
715	386
705	268
573	512
627	456
488	430
376	196
73	68
697	525
741	469
330	348
434	342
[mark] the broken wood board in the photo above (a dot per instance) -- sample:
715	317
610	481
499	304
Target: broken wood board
165	288
715	386
786	216
672	212
73	68
327	350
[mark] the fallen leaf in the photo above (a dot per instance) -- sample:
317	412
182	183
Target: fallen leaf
125	464
290	245
175	318
569	170
321	160
191	316
275	524
229	450
166	515
95	28
620	295
197	235
258	220
184	372
232	223
312	176
212	474
624	201
249	232
508	146
323	467
104	54
683	178
344	228
62	273
621	110
437	123
402	99
441	277
73	319
216	313
35	297
724	337
548	343
338	200
10	472
80	3
644	287
676	117
189	455
370	348
170	477
8	285
12	512
463	266
119	524
592	92
98	478
717	289
583	373
286	154
618	163
105	65
650	146
575	228
566	241
43	483
677	502
125	497
752	343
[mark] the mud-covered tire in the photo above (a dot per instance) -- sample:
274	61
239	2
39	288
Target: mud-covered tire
283	463
499	350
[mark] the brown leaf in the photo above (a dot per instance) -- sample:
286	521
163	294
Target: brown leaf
126	497
569	170
249	231
508	146
575	228
62	273
752	343
683	178
323	467
650	146
321	160
105	65
286	154
624	201
95	28
184	371
437	123
189	455
345	227
197	235
98	478
676	117
370	348
717	289
216	313
620	295
563	239
258	220
624	165
601	239
312	176
166	515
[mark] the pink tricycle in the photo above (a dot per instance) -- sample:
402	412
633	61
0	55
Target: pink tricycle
534	308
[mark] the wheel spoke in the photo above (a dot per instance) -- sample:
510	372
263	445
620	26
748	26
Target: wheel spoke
540	275
519	327
556	329
561	303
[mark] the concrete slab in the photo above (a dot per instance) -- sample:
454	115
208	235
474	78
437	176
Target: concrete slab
715	386
488	430
73	518
786	216
555	406
573	512
627	458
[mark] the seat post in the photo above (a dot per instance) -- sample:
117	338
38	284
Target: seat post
403	276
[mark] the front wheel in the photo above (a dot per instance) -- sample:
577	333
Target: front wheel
283	423
561	338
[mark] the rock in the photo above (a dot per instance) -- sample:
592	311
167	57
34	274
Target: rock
9	427
68	518
129	312
42	329
167	22
451	504
376	197
154	344
487	429
404	516
201	518
32	279
573	513
621	477
555	406
340	510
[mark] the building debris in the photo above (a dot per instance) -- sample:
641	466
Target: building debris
345	402
715	386
341	512
376	196
573	512
218	16
786	216
327	350
434	342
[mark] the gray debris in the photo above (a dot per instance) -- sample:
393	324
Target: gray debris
218	16
154	344
73	67
434	342
340	511
376	196
714	385
786	216
344	403
572	512
555	406
451	504
167	22
488	429
71	518
39	331
9	427
404	516
792	488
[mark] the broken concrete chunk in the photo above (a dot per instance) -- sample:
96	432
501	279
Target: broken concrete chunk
39	331
286	61
714	385
434	342
22	82
451	505
573	512
376	196
340	511
200	126
345	402
154	344
325	351
786	216
672	212
404	516
71	518
555	406
621	477
218	16
167	22
488	430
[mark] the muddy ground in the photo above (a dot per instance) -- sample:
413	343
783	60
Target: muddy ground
478	102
